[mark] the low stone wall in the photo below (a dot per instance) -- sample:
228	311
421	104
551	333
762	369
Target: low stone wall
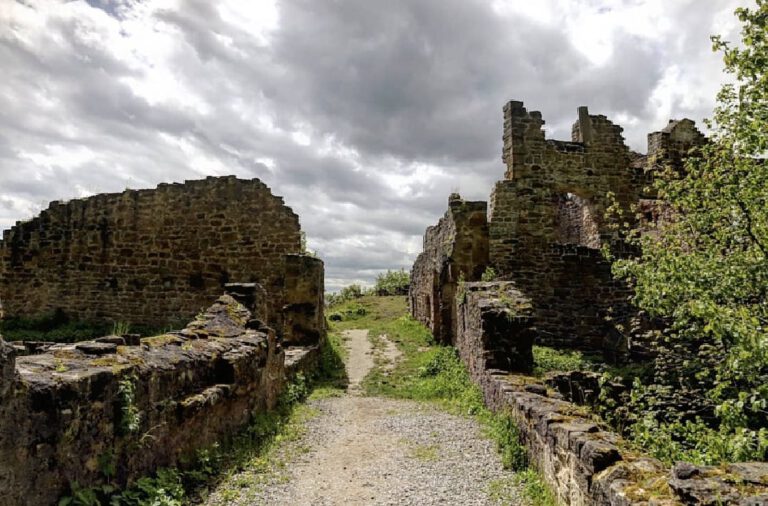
67	413
582	461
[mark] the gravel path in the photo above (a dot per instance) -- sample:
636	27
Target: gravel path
372	451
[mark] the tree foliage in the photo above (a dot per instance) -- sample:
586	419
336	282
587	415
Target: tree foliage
704	270
392	283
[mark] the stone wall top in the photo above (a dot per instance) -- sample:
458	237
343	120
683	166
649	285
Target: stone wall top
142	404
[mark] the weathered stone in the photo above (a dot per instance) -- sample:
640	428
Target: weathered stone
251	295
755	473
536	389
95	348
150	256
494	328
758	500
65	412
597	455
303	312
7	368
704	491
116	340
455	250
684	471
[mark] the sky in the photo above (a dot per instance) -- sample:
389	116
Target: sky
364	114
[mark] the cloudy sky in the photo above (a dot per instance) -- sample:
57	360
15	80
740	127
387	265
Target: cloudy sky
363	114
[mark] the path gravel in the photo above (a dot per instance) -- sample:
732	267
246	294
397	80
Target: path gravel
372	451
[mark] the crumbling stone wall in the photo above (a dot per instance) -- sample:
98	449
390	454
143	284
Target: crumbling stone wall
149	256
673	143
455	249
303	312
63	413
546	221
582	461
546	226
494	328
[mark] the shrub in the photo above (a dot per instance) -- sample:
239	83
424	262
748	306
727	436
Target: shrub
392	283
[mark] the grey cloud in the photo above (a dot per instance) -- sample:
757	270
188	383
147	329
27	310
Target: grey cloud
401	83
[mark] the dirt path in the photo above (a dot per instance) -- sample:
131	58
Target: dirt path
372	451
360	359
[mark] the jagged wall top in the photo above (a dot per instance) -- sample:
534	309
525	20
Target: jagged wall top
526	148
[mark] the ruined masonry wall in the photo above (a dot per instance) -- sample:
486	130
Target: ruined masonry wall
584	464
149	256
455	249
546	221
62	414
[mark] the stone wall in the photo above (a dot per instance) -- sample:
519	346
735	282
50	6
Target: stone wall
673	143
546	226
546	221
303	312
149	256
455	249
66	412
583	462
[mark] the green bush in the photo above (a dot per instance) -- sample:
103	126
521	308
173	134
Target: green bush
703	271
546	359
346	294
392	283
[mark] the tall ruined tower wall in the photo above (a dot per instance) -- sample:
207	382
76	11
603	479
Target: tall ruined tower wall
546	221
546	225
149	256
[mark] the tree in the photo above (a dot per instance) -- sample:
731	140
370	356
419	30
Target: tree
705	270
392	283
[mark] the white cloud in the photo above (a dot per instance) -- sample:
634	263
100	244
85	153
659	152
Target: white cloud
364	115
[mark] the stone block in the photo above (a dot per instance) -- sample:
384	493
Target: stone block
7	368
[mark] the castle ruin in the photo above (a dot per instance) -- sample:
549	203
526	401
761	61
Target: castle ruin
150	256
543	228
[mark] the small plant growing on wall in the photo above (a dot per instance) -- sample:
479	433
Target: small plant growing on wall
489	274
121	328
461	290
130	417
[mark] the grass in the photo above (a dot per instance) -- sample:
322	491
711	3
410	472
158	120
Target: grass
424	453
547	359
433	373
60	328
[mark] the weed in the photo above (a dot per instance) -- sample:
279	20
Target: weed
502	429
461	290
425	453
60	366
548	359
489	274
130	420
121	328
534	490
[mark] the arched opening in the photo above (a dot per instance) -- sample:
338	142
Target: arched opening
575	221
